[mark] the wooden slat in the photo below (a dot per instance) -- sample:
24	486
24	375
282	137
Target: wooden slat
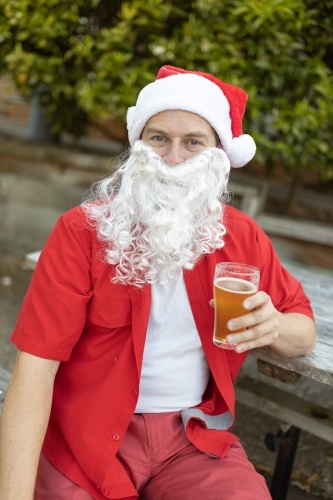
58	155
307	273
317	232
317	366
4	380
325	335
17	215
323	312
318	293
41	192
306	388
272	371
286	407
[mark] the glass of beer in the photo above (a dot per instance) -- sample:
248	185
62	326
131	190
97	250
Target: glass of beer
233	284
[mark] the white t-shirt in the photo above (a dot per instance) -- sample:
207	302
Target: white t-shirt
175	372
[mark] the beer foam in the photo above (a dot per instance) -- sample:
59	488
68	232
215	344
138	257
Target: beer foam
235	285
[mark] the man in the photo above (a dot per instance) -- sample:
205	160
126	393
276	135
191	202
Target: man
117	378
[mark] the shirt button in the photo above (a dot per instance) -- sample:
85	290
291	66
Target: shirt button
134	393
115	437
106	493
98	486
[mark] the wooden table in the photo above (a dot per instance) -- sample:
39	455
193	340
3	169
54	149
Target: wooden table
319	365
298	391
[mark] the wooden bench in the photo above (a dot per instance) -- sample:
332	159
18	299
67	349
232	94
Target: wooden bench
252	197
314	231
297	391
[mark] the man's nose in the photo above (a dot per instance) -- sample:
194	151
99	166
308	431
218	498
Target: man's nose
174	155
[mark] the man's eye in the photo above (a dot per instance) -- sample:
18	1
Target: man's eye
158	138
194	143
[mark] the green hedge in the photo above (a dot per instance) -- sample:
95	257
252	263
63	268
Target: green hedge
96	55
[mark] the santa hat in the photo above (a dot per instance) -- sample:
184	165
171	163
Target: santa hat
221	104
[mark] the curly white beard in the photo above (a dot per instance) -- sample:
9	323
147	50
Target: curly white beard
157	220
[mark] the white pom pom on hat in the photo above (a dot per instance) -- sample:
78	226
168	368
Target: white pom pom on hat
221	104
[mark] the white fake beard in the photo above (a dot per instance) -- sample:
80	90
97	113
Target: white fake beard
157	220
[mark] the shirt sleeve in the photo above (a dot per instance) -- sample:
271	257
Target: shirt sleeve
53	313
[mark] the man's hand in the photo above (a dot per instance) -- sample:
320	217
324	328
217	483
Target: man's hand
290	334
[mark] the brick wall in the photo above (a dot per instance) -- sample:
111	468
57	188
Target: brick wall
12	106
15	110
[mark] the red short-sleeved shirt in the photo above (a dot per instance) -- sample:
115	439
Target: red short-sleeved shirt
74	314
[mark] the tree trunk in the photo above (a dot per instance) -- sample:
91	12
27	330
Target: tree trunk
296	183
269	168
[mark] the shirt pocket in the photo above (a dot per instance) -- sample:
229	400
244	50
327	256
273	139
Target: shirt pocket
112	311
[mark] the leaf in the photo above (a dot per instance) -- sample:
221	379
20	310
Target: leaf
313	479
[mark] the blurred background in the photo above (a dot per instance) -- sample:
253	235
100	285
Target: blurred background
70	70
68	73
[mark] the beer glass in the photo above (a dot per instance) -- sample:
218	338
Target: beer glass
233	284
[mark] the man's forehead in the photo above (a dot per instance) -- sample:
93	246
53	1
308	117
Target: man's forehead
185	121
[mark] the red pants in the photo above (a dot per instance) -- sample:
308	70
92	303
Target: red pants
164	465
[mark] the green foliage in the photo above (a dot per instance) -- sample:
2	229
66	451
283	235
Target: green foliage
96	55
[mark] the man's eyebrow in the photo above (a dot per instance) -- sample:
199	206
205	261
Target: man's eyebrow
163	132
155	130
196	134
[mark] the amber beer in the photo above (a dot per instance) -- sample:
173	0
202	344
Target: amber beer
233	283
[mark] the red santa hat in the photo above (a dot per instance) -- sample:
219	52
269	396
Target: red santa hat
221	104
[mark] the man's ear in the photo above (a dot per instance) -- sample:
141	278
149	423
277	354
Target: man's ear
218	142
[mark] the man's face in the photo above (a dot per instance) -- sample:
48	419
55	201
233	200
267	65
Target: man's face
177	135
163	206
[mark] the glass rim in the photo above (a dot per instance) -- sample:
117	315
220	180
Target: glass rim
247	269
